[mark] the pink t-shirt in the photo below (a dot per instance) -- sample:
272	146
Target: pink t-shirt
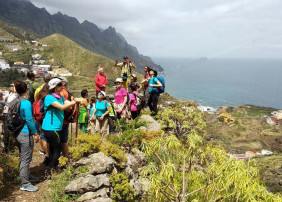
133	103
119	95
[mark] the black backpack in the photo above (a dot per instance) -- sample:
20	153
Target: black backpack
14	122
30	92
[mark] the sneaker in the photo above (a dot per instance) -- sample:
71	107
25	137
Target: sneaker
28	187
46	161
41	152
33	179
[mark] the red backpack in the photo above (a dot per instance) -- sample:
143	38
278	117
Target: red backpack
38	110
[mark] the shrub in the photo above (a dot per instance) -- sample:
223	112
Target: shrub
182	121
9	166
122	190
226	118
88	144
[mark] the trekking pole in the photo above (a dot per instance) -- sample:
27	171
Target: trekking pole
76	128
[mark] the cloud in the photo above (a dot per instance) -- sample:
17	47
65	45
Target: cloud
186	28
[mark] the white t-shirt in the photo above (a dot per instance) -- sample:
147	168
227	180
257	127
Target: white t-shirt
11	97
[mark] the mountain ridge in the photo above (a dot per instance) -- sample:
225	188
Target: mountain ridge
39	21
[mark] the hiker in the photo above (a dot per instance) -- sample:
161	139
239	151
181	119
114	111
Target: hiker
126	69
102	110
65	130
40	93
146	83
121	100
153	94
91	107
25	139
133	102
32	85
54	106
112	114
12	94
46	78
134	84
83	113
101	81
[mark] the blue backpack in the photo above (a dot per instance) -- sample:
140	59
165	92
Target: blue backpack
161	89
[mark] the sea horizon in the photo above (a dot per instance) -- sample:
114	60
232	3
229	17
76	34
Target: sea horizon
219	82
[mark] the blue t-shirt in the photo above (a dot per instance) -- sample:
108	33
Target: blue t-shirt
152	81
91	110
26	114
101	107
58	115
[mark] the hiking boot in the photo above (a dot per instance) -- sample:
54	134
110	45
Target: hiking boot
28	187
33	179
41	152
46	161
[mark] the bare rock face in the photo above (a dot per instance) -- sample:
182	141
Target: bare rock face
88	184
97	163
152	124
102	193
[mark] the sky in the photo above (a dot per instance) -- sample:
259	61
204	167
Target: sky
186	28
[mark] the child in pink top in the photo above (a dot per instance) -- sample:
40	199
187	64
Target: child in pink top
133	104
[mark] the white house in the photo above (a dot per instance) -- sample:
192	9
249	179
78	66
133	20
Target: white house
44	66
44	45
4	65
1	53
36	56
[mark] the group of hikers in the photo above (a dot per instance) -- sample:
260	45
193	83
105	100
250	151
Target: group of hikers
43	113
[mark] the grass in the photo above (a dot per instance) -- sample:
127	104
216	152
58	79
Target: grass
56	191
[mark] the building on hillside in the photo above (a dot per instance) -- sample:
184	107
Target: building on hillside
62	72
52	73
44	45
1	54
3	39
36	56
13	47
18	63
34	42
45	67
4	65
23	69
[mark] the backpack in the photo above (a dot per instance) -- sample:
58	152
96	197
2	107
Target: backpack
140	101
38	110
71	114
14	122
31	91
161	89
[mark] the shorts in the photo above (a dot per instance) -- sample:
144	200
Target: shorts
64	134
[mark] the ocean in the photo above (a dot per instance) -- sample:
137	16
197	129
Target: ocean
225	82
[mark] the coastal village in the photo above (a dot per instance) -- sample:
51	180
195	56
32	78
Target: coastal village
37	64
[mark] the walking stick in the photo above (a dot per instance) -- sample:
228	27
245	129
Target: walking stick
76	128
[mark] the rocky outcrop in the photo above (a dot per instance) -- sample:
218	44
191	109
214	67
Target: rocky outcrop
89	196
152	124
97	163
95	184
88	184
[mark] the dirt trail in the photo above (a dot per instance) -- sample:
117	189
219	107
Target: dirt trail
15	194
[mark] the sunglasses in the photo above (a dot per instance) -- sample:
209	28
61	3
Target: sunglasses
60	84
118	82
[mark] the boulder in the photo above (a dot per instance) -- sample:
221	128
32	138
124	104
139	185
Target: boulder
93	195
97	163
140	185
88	184
132	166
140	156
101	199
152	124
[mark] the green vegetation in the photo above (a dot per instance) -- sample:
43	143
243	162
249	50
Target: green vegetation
9	165
122	190
188	170
66	53
56	191
9	76
19	56
88	144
